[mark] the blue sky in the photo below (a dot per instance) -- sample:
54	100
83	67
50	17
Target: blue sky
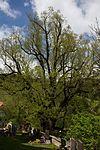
19	18
79	13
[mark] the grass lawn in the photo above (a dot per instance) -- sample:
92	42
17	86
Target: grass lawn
19	143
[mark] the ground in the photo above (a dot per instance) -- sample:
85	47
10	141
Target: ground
19	143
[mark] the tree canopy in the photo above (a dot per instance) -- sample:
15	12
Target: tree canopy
51	73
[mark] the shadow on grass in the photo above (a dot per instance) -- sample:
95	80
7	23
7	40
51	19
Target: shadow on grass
19	143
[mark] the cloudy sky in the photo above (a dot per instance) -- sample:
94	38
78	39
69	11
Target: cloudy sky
79	13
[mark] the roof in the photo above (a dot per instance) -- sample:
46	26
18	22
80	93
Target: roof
1	103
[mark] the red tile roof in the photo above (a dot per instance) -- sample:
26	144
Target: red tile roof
1	104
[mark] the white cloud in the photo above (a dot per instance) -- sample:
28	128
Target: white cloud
5	7
33	4
6	31
26	4
79	22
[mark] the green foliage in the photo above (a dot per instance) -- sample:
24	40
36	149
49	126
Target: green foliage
85	127
61	82
20	143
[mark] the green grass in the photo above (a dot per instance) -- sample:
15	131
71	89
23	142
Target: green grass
20	143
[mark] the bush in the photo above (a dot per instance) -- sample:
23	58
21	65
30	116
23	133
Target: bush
85	127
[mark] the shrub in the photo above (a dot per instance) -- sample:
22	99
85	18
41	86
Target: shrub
85	127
